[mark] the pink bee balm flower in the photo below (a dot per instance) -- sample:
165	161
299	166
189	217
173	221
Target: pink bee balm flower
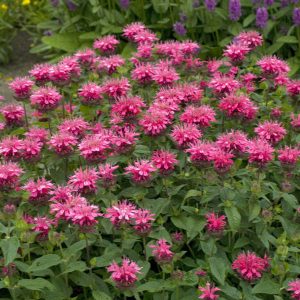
170	95
63	143
40	73
106	44
61	194
9	175
131	30
60	74
125	275
21	87
294	287
143	73
31	149
123	140
164	161
73	65
106	174
202	153
165	75
270	131
288	156
191	93
90	94
109	64
249	266
260	152
223	84
121	213
11	148
251	39
293	87
272	66
202	115
185	134
161	251
145	37
140	171
142	221
42	225
84	215
84	181
39	191
13	114
85	57
38	134
209	292
276	113
222	160
115	88
177	237
214	223
154	122
234	141
45	99
76	126
236	52
295	121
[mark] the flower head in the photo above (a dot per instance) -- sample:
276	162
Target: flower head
11	148
9	175
161	251
76	126
116	88
38	134
271	65
223	84
21	87
270	131
260	152
131	30
39	191
262	17
185	134
236	52
209	292
142	221
140	171
63	143
41	73
234	141
251	39
13	114
45	99
90	94
106	174
202	115
294	287
215	223
31	149
164	161
202	153
234	8
288	156
106	44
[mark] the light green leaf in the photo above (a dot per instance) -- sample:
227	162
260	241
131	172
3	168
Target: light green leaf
44	262
63	41
97	295
9	249
234	217
266	286
218	269
37	284
287	40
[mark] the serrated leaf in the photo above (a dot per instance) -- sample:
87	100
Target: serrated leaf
266	286
9	249
218	269
63	41
37	284
287	39
97	295
234	217
44	262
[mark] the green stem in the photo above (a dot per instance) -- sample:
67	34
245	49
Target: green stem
88	253
26	117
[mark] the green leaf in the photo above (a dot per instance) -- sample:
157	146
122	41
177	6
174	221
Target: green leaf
9	249
290	200
63	41
192	194
248	20
287	40
75	266
44	262
266	286
75	248
234	217
159	6
218	269
97	295
37	284
151	286
145	269
275	47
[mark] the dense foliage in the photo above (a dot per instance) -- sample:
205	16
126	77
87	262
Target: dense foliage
151	176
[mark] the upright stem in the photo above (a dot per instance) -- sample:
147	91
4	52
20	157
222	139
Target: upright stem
49	125
88	252
25	112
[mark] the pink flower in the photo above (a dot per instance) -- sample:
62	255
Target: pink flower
249	266
73	64
31	149
185	134
40	73
106	44
125	275
121	213
109	64
63	143
191	92
90	94
84	181
123	139
202	153
84	215
294	287
13	114
61	194
144	51
154	122
214	223
21	87
234	141
222	160
209	292
76	126
223	84
293	87
85	57
238	106
145	37
140	171
272	66
116	88
142	221
270	131
177	237
11	148
164	161
251	39
236	52
260	152
170	95
60	74
95	147
161	251
45	99
39	191
276	113
143	73
38	134
128	107
106	174
164	75
288	156
295	121
202	115
42	225
131	30
9	175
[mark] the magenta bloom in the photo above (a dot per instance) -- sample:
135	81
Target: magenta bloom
45	99
131	30
109	64
143	73
270	131
222	84
106	44
38	134
209	292
121	213
125	275
161	251
11	148
21	87
90	94
234	141
84	181
236	52
202	115
39	191
13	114
293	87
295	121
142	221
106	174
128	107
76	126
40	73
294	287
164	161
165	75
60	74
9	175
249	266
273	66
202	153
84	215
288	156
85	57
251	39
215	223
123	140
260	152
115	88
145	37
140	171
31	149
63	143
222	160
42	225
185	134
191	93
